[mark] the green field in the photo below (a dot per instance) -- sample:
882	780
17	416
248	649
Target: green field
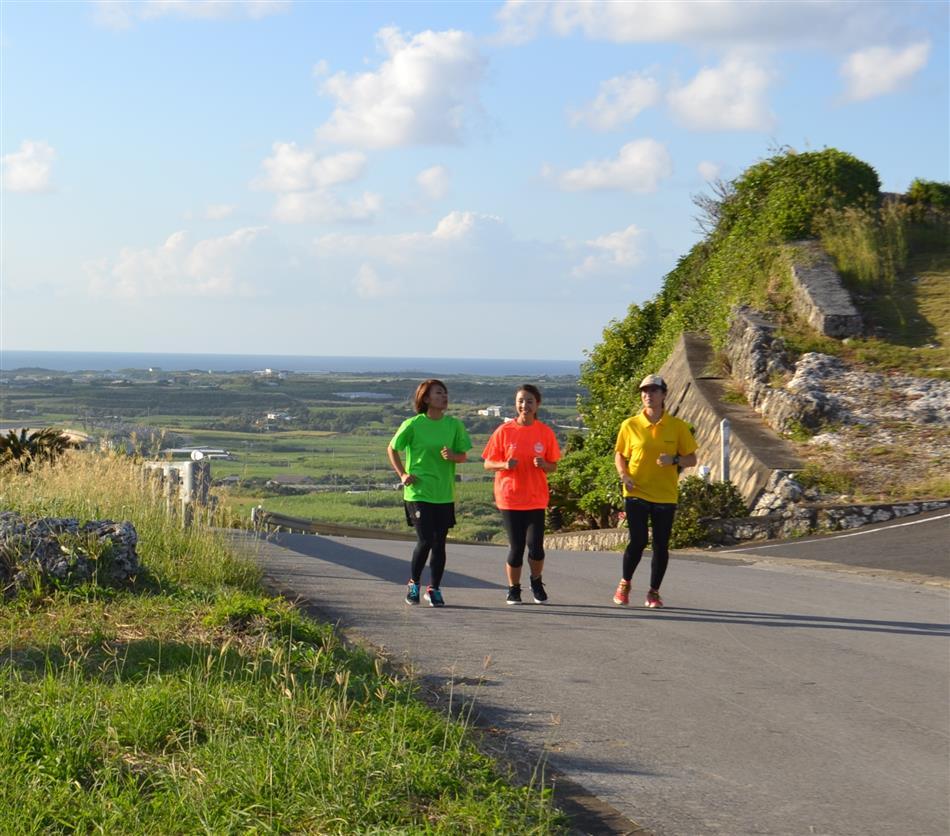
328	455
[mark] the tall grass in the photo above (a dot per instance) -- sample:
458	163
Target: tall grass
869	245
198	704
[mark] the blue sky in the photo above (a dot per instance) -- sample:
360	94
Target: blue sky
413	179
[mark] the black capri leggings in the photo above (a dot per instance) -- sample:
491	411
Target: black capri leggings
660	517
524	528
432	521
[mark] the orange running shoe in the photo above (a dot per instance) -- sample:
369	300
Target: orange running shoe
622	595
654	601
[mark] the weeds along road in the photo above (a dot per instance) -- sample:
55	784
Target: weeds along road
770	697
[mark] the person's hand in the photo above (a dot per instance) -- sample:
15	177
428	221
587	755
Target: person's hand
512	464
407	479
664	460
627	481
446	454
539	462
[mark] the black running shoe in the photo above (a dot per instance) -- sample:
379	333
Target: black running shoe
514	595
537	589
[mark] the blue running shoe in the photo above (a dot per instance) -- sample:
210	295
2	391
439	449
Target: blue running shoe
434	597
412	593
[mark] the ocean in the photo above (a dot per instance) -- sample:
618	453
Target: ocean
103	361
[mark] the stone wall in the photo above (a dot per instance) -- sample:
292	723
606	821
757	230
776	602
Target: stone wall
793	522
819	296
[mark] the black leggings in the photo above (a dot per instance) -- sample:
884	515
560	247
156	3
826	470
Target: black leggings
524	528
660	516
432	523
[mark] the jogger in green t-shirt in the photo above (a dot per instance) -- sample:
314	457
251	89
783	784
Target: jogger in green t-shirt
434	442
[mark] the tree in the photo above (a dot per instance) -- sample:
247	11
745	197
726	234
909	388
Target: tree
24	449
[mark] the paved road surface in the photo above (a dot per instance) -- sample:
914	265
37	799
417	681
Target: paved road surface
770	697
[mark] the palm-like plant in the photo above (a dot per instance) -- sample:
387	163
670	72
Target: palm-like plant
22	450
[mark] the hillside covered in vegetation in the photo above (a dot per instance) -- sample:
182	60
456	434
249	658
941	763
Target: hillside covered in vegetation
875	240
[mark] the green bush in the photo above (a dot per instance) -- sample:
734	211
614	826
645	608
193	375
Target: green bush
699	501
930	193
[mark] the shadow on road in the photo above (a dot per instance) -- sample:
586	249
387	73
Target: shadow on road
371	563
769	619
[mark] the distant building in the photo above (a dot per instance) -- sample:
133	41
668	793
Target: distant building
491	411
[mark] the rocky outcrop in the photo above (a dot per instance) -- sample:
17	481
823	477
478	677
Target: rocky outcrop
60	550
759	361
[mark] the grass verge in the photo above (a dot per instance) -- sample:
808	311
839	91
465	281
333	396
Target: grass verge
194	702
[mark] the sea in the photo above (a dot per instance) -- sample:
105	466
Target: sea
105	361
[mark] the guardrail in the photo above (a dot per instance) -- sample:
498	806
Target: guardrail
271	521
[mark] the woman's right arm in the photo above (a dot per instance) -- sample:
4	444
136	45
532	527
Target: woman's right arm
623	470
396	461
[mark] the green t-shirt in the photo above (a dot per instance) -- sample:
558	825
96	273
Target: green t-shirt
423	440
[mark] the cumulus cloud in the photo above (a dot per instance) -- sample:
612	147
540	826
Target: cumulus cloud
616	251
728	23
639	168
881	69
124	14
326	207
708	171
292	169
421	94
213	267
369	285
30	168
434	182
730	97
619	101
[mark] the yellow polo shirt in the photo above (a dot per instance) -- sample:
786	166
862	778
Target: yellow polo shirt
640	442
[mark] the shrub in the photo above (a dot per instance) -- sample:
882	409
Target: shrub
699	501
930	192
24	449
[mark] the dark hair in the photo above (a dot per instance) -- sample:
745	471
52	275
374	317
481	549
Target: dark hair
422	392
531	389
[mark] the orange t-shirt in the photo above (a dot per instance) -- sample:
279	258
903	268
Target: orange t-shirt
526	487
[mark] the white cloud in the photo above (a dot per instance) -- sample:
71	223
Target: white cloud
219	211
619	100
708	171
29	169
214	267
322	206
730	97
368	284
291	169
434	182
123	14
615	252
881	69
421	94
728	23
639	167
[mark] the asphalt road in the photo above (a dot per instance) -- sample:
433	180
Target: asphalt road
774	695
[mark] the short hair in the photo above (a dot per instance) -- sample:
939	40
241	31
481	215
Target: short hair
422	392
531	389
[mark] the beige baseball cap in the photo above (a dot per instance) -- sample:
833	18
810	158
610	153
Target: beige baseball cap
653	380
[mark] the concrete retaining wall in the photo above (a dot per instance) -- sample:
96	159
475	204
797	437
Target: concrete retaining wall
696	392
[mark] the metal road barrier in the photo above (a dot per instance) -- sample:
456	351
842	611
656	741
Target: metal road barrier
270	521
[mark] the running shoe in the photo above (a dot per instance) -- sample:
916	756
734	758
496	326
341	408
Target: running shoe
514	594
654	601
434	597
622	595
412	593
537	589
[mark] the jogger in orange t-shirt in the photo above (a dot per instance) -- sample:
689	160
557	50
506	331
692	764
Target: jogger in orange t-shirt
522	453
